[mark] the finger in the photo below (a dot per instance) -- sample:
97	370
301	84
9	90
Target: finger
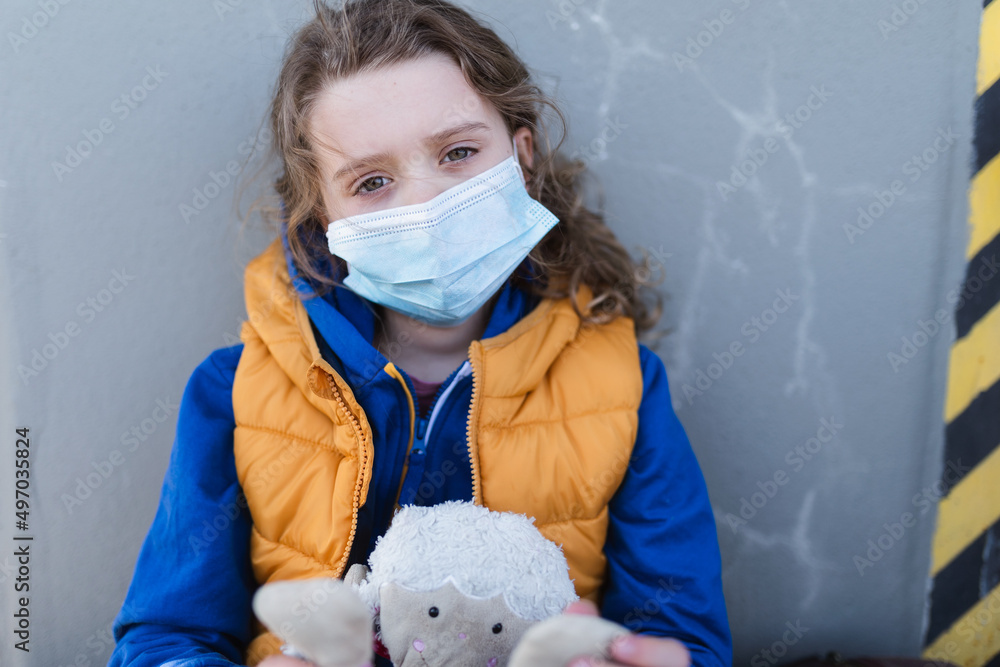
649	651
591	661
594	661
582	606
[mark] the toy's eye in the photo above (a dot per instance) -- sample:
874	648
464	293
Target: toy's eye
497	628
433	611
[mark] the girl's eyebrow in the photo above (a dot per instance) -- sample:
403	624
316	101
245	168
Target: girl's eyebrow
444	135
355	166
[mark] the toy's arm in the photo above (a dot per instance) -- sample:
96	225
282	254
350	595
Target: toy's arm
355	575
322	620
664	568
188	604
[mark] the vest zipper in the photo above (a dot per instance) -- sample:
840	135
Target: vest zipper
421	430
356	424
470	436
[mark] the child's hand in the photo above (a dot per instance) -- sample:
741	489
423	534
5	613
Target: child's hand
633	650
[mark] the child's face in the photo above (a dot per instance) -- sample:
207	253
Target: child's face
404	134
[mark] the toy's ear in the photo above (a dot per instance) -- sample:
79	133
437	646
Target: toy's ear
357	574
323	619
558	639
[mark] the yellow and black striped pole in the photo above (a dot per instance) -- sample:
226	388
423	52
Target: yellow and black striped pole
964	622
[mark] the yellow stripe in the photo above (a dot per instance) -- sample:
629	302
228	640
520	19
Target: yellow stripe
969	509
975	363
989	49
984	206
973	639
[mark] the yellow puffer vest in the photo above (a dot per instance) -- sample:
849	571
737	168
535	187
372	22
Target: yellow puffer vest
551	427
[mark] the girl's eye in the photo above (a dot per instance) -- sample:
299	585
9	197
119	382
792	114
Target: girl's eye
376	183
460	153
373	184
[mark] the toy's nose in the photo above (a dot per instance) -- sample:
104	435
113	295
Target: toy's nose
492	662
461	635
419	645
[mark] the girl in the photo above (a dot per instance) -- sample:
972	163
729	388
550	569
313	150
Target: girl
439	318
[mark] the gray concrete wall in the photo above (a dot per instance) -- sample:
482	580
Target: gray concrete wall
665	100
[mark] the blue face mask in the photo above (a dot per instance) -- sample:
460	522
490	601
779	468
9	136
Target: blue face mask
440	261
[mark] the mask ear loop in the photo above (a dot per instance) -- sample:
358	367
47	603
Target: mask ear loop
517	163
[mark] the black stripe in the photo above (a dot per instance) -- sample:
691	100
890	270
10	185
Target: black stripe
990	577
987	137
986	3
959	586
995	662
981	289
972	435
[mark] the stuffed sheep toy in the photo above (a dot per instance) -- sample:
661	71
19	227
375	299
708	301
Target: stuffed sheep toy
450	584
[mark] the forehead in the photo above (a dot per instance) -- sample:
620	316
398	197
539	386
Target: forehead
396	106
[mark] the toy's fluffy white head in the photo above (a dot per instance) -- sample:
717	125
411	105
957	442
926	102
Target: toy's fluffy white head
482	552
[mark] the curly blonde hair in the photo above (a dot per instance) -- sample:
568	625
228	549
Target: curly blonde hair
363	35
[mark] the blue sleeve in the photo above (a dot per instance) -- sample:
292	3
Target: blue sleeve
188	604
664	567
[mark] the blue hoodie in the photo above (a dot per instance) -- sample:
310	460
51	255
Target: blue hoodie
189	602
